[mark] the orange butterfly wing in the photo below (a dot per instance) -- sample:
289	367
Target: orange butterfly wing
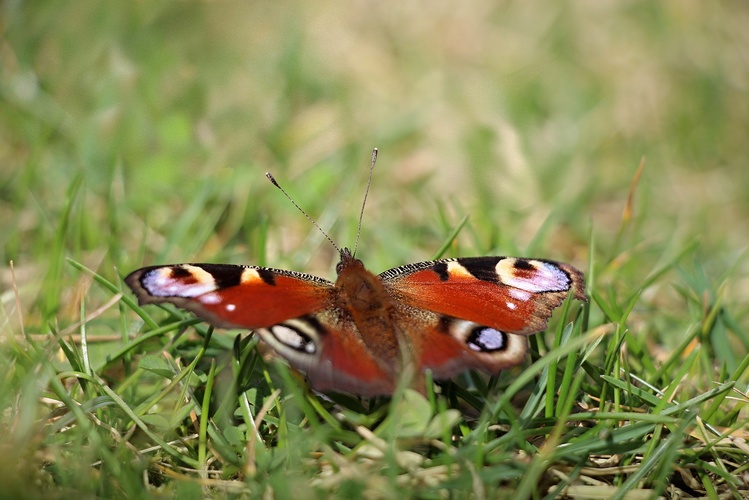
333	355
230	296
474	312
294	313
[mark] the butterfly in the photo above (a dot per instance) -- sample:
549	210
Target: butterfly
361	332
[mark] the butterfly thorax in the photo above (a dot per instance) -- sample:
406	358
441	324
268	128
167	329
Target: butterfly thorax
362	295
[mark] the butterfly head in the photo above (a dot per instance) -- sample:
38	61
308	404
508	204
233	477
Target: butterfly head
348	261
359	291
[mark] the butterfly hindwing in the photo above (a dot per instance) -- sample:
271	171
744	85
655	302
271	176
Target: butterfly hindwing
448	345
328	348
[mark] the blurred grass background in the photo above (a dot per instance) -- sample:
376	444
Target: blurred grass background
513	113
138	133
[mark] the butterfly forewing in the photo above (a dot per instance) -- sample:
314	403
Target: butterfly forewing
232	296
508	294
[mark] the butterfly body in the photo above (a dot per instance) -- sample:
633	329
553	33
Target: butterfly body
360	333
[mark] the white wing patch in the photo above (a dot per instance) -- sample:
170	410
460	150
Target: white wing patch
161	283
547	277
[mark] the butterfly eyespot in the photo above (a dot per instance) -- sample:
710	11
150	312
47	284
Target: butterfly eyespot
294	338
523	265
530	276
485	339
178	281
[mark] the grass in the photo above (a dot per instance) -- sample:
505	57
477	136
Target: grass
138	134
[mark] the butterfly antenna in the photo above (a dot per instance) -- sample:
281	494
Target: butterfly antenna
364	202
275	183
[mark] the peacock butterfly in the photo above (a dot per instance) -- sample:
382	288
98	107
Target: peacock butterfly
358	334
